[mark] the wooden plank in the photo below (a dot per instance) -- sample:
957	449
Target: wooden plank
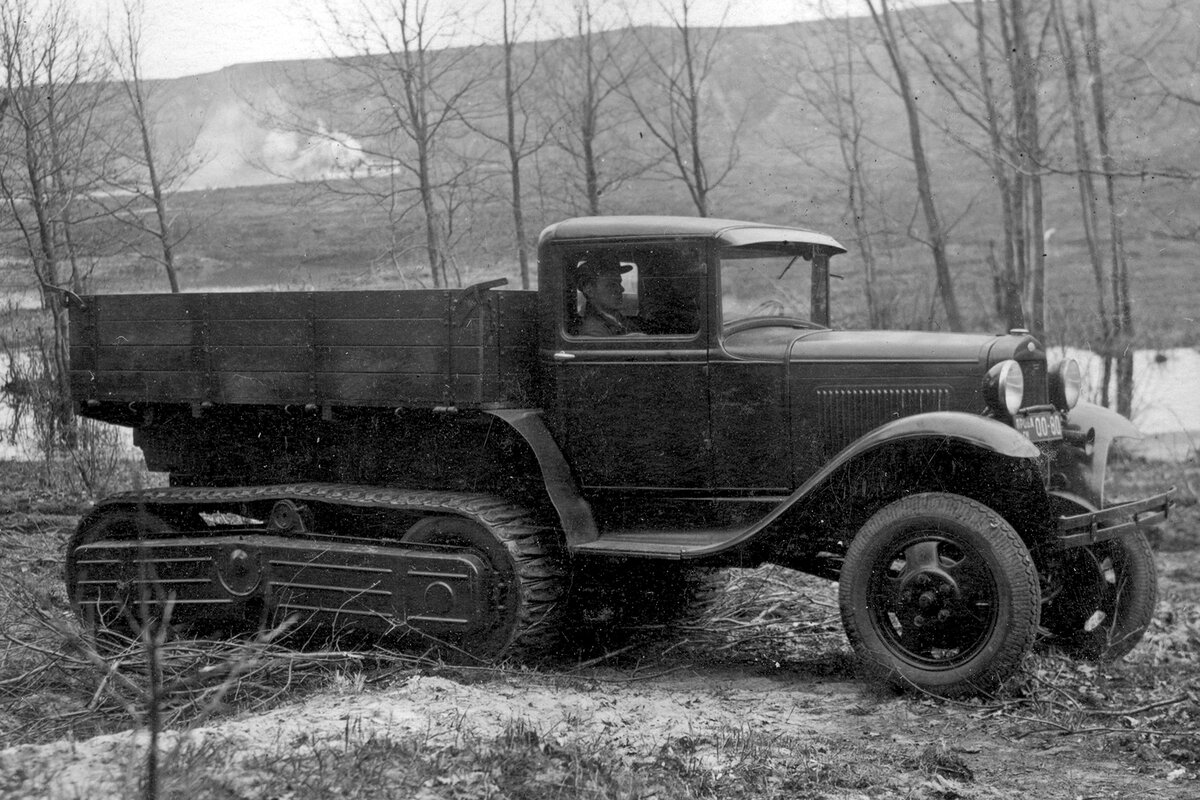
265	388
170	358
382	389
407	332
514	331
145	332
518	318
248	306
149	386
230	358
144	307
477	329
404	360
265	332
82	356
410	304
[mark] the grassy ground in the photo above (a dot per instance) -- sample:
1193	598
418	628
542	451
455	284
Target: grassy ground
774	630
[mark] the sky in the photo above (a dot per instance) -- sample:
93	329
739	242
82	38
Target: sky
189	37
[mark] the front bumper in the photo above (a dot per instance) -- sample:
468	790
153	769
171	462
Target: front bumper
1082	530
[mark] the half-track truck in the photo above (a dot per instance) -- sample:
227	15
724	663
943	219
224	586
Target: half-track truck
479	469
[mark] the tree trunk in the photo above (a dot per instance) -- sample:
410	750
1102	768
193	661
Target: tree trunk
1087	188
1122	328
1029	156
513	146
933	224
1008	287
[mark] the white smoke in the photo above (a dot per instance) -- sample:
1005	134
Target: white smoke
323	154
237	150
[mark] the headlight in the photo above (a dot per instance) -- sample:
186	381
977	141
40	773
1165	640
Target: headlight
1004	388
1065	381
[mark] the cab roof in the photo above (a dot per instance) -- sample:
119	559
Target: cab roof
729	231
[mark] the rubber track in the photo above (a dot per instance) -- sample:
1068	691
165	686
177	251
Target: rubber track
539	569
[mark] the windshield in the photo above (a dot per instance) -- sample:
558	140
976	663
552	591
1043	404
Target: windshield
763	282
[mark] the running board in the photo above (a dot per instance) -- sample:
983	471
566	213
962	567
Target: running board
668	544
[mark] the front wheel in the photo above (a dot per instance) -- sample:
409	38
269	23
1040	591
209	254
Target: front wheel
939	592
1099	600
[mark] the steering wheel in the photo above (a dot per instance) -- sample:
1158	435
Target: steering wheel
749	323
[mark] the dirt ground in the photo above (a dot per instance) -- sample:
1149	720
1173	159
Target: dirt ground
780	700
693	709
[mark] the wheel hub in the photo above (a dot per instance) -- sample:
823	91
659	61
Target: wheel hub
930	595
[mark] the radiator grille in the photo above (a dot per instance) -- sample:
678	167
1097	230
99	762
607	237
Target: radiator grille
846	413
1034	373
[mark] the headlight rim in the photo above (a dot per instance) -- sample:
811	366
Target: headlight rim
1066	384
1004	388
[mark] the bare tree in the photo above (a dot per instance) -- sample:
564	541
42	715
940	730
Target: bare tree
1024	78
892	40
520	138
53	86
1064	33
408	95
1009	273
1122	328
675	107
584	79
145	174
827	82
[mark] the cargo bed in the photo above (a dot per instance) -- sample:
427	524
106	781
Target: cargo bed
469	348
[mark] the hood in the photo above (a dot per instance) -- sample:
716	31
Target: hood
882	346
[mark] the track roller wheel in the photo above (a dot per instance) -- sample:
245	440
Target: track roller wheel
134	601
527	603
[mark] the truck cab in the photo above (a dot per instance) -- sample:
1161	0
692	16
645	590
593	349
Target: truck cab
693	401
729	387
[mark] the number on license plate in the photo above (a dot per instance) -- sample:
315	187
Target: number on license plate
1040	426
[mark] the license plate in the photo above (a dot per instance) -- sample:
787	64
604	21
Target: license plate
1040	426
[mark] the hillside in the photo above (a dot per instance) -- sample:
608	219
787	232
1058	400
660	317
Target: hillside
286	148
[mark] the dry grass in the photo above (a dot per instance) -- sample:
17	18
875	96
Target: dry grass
55	683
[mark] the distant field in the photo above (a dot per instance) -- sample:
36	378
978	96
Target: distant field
293	237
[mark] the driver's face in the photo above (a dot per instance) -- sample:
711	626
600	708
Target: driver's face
605	292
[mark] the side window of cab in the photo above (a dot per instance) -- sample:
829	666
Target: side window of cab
633	291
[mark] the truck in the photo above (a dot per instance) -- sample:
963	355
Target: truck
482	470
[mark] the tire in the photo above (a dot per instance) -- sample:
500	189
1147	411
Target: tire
528	604
1099	601
938	592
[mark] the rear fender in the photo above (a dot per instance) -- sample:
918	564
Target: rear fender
1080	467
574	513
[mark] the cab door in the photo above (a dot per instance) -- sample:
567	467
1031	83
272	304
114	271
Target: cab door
631	411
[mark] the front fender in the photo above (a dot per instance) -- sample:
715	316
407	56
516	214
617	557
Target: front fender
957	425
1079	469
939	426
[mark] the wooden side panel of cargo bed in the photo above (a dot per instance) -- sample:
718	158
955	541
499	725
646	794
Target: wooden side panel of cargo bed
375	348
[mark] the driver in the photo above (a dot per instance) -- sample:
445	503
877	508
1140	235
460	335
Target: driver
599	279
